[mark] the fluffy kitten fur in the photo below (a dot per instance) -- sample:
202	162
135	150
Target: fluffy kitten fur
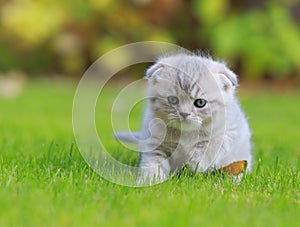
180	133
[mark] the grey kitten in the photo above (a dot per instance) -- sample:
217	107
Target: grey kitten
192	118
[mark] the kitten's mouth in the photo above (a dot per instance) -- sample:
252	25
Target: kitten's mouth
181	120
185	124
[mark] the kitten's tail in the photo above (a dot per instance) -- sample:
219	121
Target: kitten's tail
128	136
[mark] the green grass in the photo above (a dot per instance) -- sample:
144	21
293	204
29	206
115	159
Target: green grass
44	181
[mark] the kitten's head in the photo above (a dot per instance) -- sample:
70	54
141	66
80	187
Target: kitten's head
186	91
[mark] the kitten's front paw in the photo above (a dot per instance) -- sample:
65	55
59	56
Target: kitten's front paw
150	178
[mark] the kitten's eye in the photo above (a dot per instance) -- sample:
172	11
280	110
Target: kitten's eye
200	103
173	100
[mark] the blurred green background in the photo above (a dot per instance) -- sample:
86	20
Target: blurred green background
259	39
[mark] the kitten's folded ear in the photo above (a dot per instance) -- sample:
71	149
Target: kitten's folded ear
231	76
153	69
227	74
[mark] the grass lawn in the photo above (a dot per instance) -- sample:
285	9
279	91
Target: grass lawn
44	181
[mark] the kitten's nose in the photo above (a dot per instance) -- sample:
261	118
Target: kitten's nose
184	115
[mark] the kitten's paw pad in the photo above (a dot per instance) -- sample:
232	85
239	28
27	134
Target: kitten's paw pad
234	168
